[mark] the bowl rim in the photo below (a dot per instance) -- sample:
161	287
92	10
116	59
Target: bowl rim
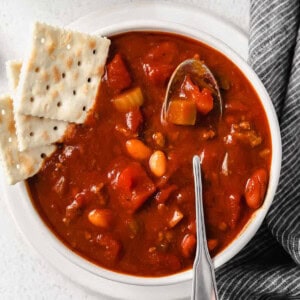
257	218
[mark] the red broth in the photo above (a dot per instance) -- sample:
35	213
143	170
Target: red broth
99	195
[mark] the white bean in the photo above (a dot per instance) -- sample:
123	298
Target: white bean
158	163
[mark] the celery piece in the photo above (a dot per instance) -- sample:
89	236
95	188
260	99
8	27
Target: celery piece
129	100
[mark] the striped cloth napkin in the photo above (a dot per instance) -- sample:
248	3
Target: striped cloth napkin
269	266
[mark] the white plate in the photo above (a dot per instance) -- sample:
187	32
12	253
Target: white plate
21	210
187	15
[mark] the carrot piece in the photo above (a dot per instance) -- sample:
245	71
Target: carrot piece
182	112
256	188
205	101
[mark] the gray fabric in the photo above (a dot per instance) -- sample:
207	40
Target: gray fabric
269	266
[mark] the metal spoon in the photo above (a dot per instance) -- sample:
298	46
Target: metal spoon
204	283
201	76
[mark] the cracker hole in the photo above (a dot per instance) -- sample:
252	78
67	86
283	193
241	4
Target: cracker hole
18	166
79	63
63	75
74	92
2	112
94	51
89	79
37	69
55	128
43	40
43	155
31	99
9	139
58	104
31	133
47	87
68	46
84	108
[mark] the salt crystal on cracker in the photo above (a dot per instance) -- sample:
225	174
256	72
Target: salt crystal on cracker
17	165
32	131
60	76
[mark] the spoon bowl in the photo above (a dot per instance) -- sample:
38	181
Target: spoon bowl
201	76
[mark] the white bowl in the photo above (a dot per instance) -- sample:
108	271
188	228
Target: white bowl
254	223
88	274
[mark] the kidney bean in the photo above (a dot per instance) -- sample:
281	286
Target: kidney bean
256	188
188	245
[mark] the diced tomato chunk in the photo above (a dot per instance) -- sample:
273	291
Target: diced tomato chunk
134	119
188	89
134	187
140	195
126	179
118	77
203	99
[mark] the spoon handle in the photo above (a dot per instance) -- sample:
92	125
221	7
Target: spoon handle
204	283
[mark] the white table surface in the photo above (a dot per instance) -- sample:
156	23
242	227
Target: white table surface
24	274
